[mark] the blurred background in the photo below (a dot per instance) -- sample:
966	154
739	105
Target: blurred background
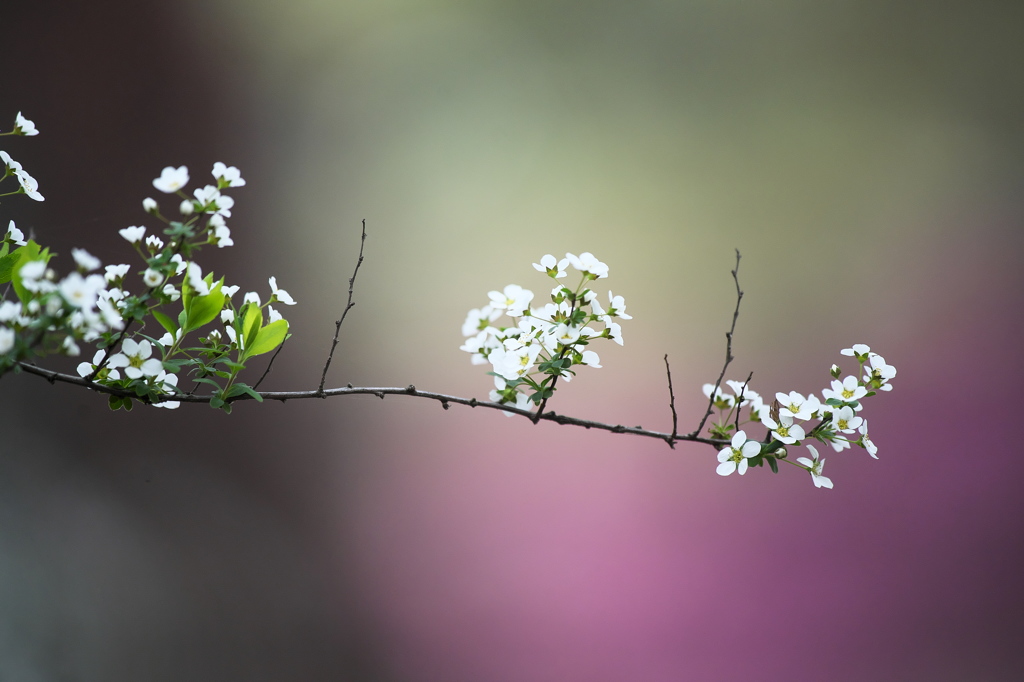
864	156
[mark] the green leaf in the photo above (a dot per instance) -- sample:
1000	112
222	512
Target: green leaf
239	389
203	309
216	403
774	464
267	339
165	322
7	263
252	320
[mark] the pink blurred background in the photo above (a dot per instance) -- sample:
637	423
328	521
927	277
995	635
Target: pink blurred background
865	157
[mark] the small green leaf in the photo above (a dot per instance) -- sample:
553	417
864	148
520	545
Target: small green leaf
774	464
239	389
216	403
165	321
267	339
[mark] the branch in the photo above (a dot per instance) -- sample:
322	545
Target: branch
671	404
337	327
380	392
728	347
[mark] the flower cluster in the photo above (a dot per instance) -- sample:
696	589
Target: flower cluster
836	420
54	315
541	345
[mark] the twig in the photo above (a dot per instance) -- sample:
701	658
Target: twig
337	325
728	347
672	405
269	365
284	396
739	401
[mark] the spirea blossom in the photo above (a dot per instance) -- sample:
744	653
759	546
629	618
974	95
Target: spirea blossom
171	179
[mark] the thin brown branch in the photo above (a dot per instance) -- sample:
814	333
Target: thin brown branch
337	325
380	392
728	347
739	399
270	365
672	405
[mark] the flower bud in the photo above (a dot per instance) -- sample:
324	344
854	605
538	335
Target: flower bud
186	207
149	205
835	371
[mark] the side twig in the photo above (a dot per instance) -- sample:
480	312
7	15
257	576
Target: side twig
337	325
728	347
672	406
270	365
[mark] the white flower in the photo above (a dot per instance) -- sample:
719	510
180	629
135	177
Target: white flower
86	368
784	431
512	360
739	387
171	179
591	359
722	399
154	243
614	332
866	442
149	205
71	348
251	297
167	383
566	334
221	234
9	311
227	316
280	294
273	315
15	235
85	260
513	299
479	318
857	349
845	421
587	263
6	339
797	406
186	207
151	278
32	274
9	162
29	185
617	307
132	234
814	466
880	373
24	126
116	272
179	263
230	175
212	201
136	360
847	390
229	291
196	281
734	458
81	291
551	267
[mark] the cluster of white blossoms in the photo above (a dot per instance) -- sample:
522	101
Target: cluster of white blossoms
837	421
541	345
54	315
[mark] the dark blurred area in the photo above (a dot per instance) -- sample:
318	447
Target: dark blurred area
150	545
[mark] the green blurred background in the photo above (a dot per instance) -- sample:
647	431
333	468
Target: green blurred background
865	158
